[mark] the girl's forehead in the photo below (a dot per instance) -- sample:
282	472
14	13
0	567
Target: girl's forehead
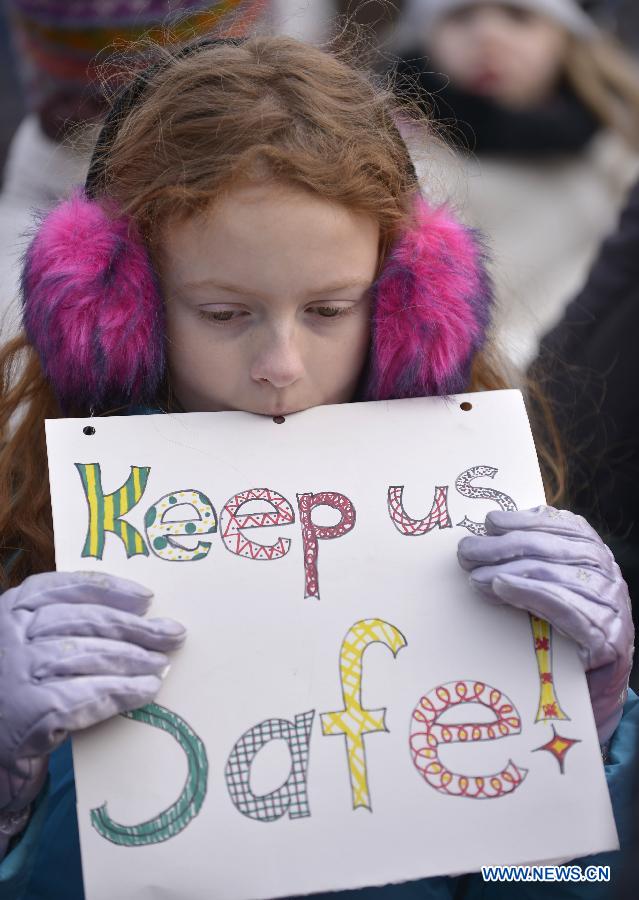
270	232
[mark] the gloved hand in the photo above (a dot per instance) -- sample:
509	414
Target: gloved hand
56	627
553	564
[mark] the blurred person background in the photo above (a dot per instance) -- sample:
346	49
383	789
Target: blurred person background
589	368
379	17
308	20
543	107
621	17
11	101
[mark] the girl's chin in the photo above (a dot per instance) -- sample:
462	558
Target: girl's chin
260	410
201	404
286	411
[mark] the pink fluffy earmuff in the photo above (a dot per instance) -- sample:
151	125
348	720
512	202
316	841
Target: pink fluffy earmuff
93	309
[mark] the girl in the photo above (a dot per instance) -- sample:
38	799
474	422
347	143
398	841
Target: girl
251	236
549	108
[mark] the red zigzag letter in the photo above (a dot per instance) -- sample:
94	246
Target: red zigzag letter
232	524
438	517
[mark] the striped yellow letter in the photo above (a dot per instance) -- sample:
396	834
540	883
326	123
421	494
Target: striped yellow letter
105	510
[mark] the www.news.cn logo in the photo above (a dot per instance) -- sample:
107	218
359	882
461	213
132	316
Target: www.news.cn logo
545	873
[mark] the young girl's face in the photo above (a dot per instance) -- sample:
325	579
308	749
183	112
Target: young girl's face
267	301
509	54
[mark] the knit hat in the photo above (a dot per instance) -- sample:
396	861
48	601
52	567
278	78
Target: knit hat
58	40
423	14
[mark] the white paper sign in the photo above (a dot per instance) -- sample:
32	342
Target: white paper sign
346	710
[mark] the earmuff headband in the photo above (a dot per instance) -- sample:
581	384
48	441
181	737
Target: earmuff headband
125	102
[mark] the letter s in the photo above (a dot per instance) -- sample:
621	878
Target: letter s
466	489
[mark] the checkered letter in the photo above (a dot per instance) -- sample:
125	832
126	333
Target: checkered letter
438	517
291	796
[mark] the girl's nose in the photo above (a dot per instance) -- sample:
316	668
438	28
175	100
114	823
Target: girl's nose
279	361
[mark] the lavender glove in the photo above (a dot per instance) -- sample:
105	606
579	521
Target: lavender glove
74	650
553	564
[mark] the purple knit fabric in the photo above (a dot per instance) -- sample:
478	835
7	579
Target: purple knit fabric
83	13
58	41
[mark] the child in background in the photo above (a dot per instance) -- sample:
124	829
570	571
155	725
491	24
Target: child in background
272	253
547	106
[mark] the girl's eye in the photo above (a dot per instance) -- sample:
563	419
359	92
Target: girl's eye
331	312
462	16
220	315
522	16
224	316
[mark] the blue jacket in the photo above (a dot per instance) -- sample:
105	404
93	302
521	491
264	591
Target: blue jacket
45	864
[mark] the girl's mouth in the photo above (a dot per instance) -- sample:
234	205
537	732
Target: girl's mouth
486	81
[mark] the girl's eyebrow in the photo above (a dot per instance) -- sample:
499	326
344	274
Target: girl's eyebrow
207	282
341	285
236	289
